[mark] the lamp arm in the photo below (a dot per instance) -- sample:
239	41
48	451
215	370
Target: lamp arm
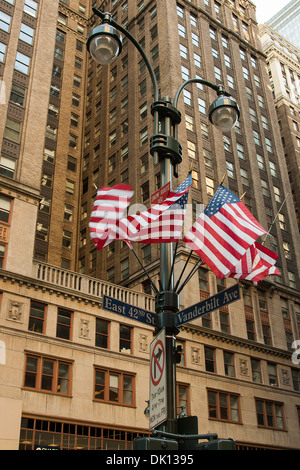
218	88
108	18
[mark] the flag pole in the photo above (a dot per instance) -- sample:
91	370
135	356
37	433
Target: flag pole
184	268
173	263
154	288
272	224
189	277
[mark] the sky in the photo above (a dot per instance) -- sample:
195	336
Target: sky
265	9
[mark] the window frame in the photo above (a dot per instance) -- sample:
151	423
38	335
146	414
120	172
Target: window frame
106	387
39	374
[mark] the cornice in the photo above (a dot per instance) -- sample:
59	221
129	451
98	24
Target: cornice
235	340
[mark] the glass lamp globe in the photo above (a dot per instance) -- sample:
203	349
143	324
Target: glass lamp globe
104	44
224	113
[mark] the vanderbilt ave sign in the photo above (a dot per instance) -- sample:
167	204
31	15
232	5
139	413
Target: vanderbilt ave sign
219	300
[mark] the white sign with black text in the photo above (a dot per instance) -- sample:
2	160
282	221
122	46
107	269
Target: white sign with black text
158	385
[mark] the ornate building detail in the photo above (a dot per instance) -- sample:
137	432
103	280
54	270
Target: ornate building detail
15	310
143	343
84	329
195	355
244	369
285	377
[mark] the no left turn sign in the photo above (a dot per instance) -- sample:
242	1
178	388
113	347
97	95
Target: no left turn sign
157	362
158	386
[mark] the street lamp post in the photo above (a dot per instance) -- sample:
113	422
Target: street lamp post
105	44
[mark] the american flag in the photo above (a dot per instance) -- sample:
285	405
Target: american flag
257	263
223	233
162	223
109	207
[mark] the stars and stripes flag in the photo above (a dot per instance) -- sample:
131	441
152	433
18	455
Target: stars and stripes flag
162	223
224	232
257	263
109	207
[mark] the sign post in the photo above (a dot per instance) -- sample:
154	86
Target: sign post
158	385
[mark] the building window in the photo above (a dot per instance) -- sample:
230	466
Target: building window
70	187
203	279
26	34
250	326
256	372
66	239
114	387
210	185
22	63
47	374
64	324
12	130
145	191
2	52
210	360
296	379
267	334
37	317
102	333
31	7
272	374
223	406
17	94
228	364
126	338
7	166
224	322
269	414
183	399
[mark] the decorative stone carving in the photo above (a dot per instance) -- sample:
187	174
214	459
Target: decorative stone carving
285	377
195	355
84	329
143	343
15	310
244	369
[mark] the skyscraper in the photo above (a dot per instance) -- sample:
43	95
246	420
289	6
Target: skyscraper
287	22
74	374
284	73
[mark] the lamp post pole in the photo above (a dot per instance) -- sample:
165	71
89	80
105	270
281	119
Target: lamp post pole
104	44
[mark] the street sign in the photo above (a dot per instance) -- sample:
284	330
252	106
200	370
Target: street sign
129	311
160	195
158	384
219	300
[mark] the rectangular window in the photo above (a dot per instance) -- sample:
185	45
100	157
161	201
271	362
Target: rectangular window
228	364
7	166
47	374
5	22
102	333
126	338
2	52
270	414
272	374
12	130
256	372
26	34
114	387
31	7
64	324
210	360
22	63
37	317
223	406
250	326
